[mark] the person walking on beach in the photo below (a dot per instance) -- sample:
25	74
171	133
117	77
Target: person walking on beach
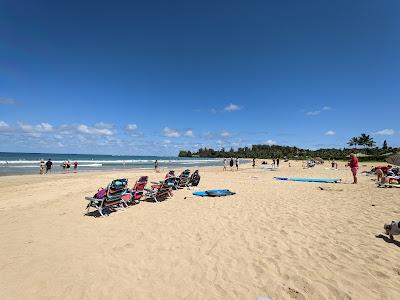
237	163
231	163
156	166
277	162
273	163
254	162
49	164
225	164
42	167
75	166
353	164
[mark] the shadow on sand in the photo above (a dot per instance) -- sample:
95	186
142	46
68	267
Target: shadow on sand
388	240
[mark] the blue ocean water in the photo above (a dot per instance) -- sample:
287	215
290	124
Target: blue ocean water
28	163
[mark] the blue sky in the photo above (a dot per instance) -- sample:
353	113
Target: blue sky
154	77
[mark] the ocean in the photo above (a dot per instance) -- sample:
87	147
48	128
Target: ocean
28	163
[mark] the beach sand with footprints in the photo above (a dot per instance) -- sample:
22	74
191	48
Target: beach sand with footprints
277	239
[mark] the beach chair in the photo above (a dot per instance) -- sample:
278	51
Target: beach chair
158	192
194	179
138	189
115	196
183	179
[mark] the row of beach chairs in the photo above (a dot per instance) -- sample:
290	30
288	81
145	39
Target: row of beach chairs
117	195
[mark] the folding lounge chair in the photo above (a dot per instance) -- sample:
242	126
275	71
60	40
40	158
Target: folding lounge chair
183	179
194	179
158	192
115	196
138	189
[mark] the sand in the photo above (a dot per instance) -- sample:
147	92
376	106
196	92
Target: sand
283	240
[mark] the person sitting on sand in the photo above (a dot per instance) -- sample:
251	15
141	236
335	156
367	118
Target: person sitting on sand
381	173
353	164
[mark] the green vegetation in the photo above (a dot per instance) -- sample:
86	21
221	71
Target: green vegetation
367	151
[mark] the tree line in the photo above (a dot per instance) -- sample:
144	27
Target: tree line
362	144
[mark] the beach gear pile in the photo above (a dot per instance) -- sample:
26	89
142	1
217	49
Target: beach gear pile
118	195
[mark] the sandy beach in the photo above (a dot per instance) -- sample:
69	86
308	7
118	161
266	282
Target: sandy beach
277	239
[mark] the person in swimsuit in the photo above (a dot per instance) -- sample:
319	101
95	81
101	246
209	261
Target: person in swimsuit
156	166
224	164
353	164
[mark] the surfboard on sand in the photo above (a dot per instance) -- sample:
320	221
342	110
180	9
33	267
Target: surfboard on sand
214	193
323	180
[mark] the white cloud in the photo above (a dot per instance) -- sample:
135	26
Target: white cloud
131	127
189	133
7	101
330	132
313	113
232	107
35	130
270	142
4	126
170	132
317	112
225	133
167	141
98	129
385	132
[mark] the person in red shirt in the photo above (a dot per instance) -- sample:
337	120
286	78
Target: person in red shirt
353	164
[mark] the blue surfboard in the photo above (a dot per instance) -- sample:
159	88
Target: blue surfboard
214	193
321	180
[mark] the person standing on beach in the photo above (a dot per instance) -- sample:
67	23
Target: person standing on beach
231	163
353	164
49	164
277	162
237	163
156	166
273	163
42	167
254	162
224	164
75	166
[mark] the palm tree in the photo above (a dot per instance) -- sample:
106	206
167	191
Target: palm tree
354	141
366	140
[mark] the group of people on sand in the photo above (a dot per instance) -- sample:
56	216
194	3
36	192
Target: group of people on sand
386	174
232	162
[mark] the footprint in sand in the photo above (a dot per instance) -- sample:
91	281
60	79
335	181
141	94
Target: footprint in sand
295	294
